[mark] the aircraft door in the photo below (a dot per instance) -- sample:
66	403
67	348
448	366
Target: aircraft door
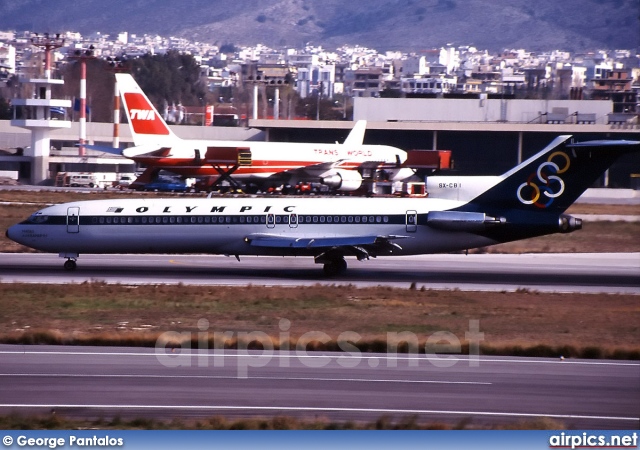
293	221
412	221
73	219
271	221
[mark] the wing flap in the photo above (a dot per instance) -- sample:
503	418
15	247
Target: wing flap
325	242
276	241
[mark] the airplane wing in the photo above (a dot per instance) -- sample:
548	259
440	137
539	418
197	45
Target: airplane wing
362	246
102	148
321	169
315	169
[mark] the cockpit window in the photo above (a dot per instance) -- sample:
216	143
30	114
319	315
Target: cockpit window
38	218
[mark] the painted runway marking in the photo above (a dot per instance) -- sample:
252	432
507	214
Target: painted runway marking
306	355
219	377
320	409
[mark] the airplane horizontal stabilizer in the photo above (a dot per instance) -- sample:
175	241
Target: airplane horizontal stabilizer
102	148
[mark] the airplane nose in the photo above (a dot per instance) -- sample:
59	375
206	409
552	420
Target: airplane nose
12	233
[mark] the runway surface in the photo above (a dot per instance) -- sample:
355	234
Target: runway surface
582	272
93	382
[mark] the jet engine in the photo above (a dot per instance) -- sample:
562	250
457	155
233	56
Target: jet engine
567	223
343	180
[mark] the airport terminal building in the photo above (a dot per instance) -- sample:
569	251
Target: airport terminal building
487	136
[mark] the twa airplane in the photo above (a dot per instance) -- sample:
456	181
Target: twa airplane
527	201
262	164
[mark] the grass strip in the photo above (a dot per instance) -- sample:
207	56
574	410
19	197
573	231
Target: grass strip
327	318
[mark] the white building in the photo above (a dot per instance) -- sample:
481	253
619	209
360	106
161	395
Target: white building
7	58
428	85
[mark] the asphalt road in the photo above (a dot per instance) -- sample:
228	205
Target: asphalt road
589	273
93	382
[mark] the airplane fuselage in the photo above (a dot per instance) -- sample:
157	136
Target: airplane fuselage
228	226
198	158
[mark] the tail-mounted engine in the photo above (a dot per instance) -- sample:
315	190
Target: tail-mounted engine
567	224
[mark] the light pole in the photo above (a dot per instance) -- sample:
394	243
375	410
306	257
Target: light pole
116	65
83	56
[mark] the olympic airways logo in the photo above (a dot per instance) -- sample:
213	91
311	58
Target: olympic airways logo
545	182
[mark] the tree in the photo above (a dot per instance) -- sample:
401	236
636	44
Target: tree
172	77
100	87
5	109
310	108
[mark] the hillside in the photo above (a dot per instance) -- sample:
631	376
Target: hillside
572	25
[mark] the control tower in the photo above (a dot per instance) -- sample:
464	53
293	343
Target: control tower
36	112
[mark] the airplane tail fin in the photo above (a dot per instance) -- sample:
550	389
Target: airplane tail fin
147	126
356	135
554	178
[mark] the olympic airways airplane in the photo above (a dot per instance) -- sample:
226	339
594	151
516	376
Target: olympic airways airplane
527	201
262	164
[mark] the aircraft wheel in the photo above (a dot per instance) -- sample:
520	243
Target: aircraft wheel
70	264
334	268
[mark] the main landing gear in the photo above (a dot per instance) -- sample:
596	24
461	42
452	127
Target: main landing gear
335	267
70	264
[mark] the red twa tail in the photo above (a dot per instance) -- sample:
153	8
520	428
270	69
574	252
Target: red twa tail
147	126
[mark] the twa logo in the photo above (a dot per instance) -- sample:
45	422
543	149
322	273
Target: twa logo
144	120
142	114
544	182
